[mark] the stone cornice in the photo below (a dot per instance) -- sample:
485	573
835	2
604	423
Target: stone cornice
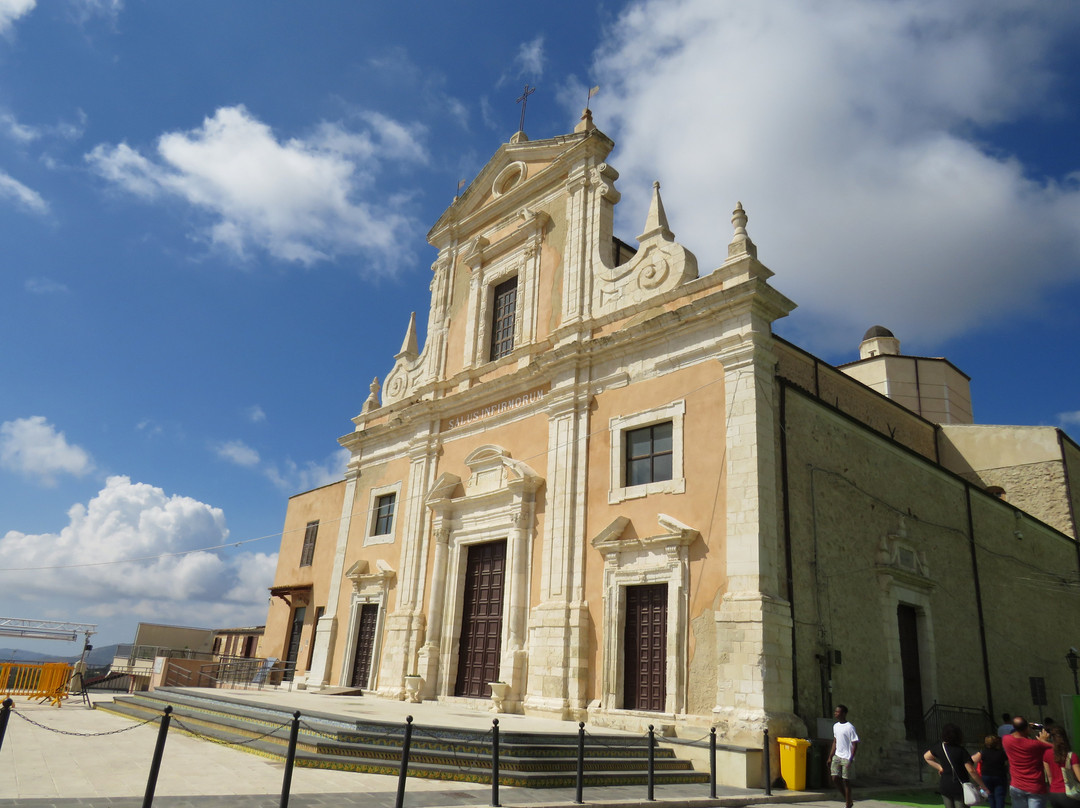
742	304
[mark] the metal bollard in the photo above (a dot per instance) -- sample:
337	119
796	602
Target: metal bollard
5	714
579	799
495	762
159	750
290	758
404	773
768	766
652	763
712	762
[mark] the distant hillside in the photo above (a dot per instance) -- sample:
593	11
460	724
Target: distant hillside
99	657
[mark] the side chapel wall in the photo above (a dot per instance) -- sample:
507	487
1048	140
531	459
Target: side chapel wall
856	499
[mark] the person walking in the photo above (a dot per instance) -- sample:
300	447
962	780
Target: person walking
953	763
1062	770
992	765
1028	787
842	752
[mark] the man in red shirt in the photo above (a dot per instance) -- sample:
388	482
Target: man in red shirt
1028	789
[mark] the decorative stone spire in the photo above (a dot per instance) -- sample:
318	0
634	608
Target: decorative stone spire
372	402
586	123
408	345
741	243
656	222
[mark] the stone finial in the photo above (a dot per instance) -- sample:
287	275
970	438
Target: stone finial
656	223
372	402
408	345
586	123
741	243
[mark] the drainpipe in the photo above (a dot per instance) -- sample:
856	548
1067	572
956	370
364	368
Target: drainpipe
978	601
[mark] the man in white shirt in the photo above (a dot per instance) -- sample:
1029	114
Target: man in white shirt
842	752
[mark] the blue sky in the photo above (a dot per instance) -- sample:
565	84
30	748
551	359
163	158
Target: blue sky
212	221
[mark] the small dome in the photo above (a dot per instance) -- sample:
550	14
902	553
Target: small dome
878	331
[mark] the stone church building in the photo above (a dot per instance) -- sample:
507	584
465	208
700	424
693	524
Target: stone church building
605	485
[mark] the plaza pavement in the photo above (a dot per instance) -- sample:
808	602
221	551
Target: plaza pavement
59	757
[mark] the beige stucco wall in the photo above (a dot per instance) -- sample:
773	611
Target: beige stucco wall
323	504
1025	461
703	505
177	637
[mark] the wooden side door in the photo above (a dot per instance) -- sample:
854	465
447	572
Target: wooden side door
481	619
645	663
294	641
907	619
365	645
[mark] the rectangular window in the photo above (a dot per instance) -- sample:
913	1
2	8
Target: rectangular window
503	309
648	454
384	514
308	553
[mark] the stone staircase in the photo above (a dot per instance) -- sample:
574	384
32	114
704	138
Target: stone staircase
526	759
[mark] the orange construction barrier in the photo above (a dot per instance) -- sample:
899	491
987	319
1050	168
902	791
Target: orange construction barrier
44	681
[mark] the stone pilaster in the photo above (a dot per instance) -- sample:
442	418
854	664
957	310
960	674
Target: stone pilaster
559	627
753	623
405	626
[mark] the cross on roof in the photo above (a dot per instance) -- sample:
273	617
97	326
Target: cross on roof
523	99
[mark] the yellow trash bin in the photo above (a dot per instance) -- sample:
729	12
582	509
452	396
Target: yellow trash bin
793	762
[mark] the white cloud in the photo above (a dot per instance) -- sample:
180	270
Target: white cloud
127	552
299	199
11	10
292	477
17	131
33	447
1067	419
23	134
24	197
530	58
255	414
45	286
851	134
238	452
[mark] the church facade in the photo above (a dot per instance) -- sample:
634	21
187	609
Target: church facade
605	487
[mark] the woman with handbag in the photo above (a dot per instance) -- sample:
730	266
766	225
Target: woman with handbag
1062	770
958	776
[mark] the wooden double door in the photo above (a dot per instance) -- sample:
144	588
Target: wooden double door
481	620
365	644
645	644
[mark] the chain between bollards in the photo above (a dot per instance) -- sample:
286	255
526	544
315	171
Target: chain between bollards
404	773
5	714
159	750
579	799
652	763
495	762
712	762
768	766
290	758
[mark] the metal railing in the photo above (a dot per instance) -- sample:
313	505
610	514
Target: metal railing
134	652
974	722
247	673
